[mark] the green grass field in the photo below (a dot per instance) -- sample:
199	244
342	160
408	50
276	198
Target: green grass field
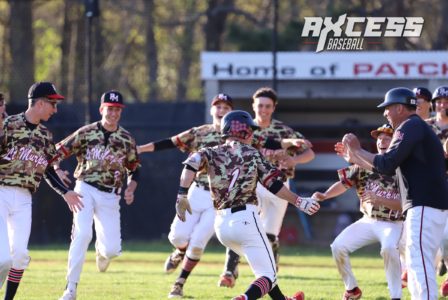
138	274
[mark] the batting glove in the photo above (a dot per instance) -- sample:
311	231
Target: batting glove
308	205
182	205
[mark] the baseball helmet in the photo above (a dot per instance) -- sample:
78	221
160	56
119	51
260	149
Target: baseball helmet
237	123
399	95
423	93
386	128
440	92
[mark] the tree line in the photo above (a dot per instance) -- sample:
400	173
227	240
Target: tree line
150	49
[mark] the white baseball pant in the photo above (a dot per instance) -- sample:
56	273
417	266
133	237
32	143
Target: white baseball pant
104	209
197	229
272	209
364	232
15	228
424	230
242	232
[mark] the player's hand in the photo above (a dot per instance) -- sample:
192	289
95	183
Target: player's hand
351	142
129	195
63	175
286	143
319	196
73	200
343	151
286	162
182	205
308	205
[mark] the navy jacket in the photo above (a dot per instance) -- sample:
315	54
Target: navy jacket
417	150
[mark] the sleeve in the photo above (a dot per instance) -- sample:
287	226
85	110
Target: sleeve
132	159
403	142
68	146
186	141
348	176
197	161
268	174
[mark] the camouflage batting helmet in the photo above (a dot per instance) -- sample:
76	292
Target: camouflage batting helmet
440	92
386	128
399	95
237	123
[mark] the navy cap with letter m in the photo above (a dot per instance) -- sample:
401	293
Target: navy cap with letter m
112	98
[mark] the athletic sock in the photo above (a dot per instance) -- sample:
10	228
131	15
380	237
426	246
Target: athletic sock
13	282
259	287
188	265
232	261
276	293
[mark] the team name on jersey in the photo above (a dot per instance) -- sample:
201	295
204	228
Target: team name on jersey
379	191
99	153
25	154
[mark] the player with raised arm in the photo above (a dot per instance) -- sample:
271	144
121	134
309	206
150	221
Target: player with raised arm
233	169
382	219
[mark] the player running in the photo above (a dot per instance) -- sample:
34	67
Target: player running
233	169
26	151
106	153
382	219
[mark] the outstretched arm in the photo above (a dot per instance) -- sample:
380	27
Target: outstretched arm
334	190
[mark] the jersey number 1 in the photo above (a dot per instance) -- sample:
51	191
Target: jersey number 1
235	173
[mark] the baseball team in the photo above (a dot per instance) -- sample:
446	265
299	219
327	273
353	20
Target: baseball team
235	180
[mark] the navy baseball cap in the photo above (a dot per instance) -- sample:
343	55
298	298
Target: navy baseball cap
423	93
44	90
112	98
223	98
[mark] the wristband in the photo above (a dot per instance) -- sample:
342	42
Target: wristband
182	190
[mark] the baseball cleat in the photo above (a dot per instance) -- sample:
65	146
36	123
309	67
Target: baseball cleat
173	261
297	296
353	294
444	288
102	263
441	268
227	280
68	295
404	279
240	297
177	291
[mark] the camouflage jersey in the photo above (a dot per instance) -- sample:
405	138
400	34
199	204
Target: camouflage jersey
233	170
102	164
382	185
200	137
277	131
442	134
25	152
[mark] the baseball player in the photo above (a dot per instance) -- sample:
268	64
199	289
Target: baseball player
191	237
233	169
272	210
439	124
416	156
106	153
26	151
382	219
424	97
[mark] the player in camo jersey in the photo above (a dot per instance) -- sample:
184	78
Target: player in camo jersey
233	169
26	151
106	153
191	237
439	124
272	210
382	220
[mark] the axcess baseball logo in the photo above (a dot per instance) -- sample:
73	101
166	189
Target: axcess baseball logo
349	32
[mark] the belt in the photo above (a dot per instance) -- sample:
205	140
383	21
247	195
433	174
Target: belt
114	190
237	208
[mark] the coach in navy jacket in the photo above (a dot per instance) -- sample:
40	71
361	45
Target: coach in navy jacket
416	156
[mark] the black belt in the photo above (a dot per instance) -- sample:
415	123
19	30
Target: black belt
237	208
105	189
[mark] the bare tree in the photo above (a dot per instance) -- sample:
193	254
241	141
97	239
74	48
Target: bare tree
151	50
217	13
22	49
